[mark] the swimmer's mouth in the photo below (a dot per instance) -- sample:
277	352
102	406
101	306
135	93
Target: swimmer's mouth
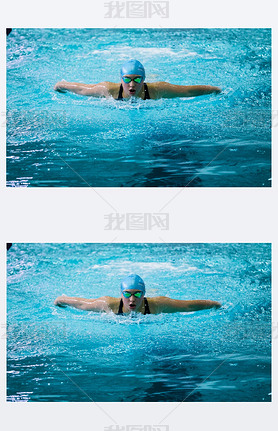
132	91
132	306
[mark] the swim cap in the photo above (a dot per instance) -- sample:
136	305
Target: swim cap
133	67
133	281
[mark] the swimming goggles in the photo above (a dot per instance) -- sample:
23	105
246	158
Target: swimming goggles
136	294
127	80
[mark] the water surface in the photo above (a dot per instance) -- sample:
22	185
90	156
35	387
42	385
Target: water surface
69	140
57	354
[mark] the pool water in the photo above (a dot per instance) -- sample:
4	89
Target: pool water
64	354
63	140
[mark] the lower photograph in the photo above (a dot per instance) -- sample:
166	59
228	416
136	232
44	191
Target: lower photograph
133	322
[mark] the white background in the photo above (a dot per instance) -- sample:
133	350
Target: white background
196	215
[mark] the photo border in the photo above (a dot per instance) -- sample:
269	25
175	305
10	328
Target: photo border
28	217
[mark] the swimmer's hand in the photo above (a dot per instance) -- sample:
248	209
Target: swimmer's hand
60	86
60	301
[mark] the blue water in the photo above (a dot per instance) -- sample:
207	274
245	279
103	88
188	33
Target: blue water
57	354
69	140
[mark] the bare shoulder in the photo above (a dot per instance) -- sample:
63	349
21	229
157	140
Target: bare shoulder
155	89
156	304
161	89
104	88
159	84
112	88
113	303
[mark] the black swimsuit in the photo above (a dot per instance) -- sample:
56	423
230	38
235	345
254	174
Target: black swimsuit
146	92
147	309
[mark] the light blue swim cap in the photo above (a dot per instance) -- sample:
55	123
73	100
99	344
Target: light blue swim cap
133	67
133	281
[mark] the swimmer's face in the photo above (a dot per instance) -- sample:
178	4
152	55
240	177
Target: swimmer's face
132	88
133	303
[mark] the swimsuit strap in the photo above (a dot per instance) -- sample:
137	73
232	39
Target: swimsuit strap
147	308
146	92
120	96
120	311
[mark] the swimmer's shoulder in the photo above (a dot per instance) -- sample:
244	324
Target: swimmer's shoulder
112	88
105	89
155	89
113	303
156	304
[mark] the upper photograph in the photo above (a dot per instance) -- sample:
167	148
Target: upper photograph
138	107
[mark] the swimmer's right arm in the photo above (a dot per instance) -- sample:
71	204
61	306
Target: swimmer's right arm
167	90
96	90
99	304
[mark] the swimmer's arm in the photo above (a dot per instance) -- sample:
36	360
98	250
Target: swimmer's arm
168	305
166	90
95	90
99	304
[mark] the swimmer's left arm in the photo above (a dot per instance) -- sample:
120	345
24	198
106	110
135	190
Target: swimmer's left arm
98	304
166	90
95	90
168	305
